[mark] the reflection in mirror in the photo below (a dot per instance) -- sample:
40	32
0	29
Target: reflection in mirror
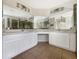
51	23
14	24
10	22
64	21
41	22
21	24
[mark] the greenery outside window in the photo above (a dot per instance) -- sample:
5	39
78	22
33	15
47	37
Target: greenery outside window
14	24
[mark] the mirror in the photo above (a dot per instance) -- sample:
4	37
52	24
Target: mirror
11	22
63	21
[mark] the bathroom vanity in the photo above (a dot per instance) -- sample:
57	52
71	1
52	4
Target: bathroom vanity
61	38
64	40
17	41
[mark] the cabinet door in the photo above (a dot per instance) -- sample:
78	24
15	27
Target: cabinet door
73	42
59	39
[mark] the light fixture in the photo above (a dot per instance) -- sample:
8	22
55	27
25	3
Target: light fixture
57	10
23	7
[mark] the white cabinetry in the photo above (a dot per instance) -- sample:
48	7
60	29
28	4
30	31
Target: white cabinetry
73	41
15	44
63	40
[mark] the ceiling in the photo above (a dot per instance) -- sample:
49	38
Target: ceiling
42	7
45	4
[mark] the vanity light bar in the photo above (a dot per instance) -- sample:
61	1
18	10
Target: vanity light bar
57	10
22	7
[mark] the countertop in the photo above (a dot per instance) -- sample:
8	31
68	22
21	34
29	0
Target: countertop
19	31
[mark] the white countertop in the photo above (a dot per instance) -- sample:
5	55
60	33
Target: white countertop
38	31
